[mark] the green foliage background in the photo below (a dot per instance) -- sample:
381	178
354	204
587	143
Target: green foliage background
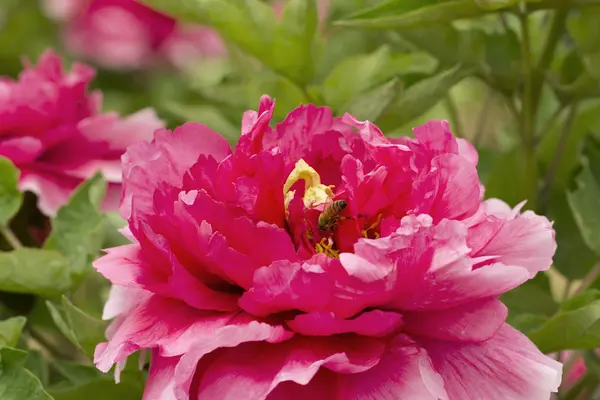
519	79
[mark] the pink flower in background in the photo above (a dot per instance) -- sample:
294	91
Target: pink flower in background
126	34
241	289
51	128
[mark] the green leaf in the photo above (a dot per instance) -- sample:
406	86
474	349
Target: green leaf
37	364
420	97
10	196
354	75
292	49
573	257
79	229
584	27
449	45
503	58
534	297
10	330
370	105
34	271
207	114
585	203
16	382
587	119
83	330
86	382
286	47
508	178
576	326
401	14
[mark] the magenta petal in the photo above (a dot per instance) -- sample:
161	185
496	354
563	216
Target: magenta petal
375	323
507	366
527	240
404	372
166	159
161	380
451	190
232	373
240	329
169	325
473	322
286	285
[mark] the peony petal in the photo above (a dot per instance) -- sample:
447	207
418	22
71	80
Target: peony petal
286	285
451	190
166	159
122	299
240	329
232	373
167	324
161	380
52	191
527	240
476	321
403	372
508	366
370	323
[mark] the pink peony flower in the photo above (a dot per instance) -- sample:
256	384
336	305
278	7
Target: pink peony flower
126	34
239	292
51	128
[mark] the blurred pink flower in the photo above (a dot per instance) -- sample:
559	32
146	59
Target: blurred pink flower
239	293
51	128
126	34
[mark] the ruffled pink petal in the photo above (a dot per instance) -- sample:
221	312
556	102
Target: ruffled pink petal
52	191
21	150
375	323
232	373
119	133
526	240
404	371
128	266
286	285
425	267
254	127
161	380
240	329
433	139
451	190
169	325
170	155
122	299
507	366
477	321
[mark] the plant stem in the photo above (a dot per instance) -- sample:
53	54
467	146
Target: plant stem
588	279
576	390
556	29
482	117
454	116
48	345
567	290
527	109
10	237
560	149
548	125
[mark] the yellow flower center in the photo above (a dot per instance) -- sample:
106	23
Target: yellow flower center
373	226
325	246
315	192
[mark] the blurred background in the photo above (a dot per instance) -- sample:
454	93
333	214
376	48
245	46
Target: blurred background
519	79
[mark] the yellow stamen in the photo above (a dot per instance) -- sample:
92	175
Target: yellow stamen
374	225
315	192
325	246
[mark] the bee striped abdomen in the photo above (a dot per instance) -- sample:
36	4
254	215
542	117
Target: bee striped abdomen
328	217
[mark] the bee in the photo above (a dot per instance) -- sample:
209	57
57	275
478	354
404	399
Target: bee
330	214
